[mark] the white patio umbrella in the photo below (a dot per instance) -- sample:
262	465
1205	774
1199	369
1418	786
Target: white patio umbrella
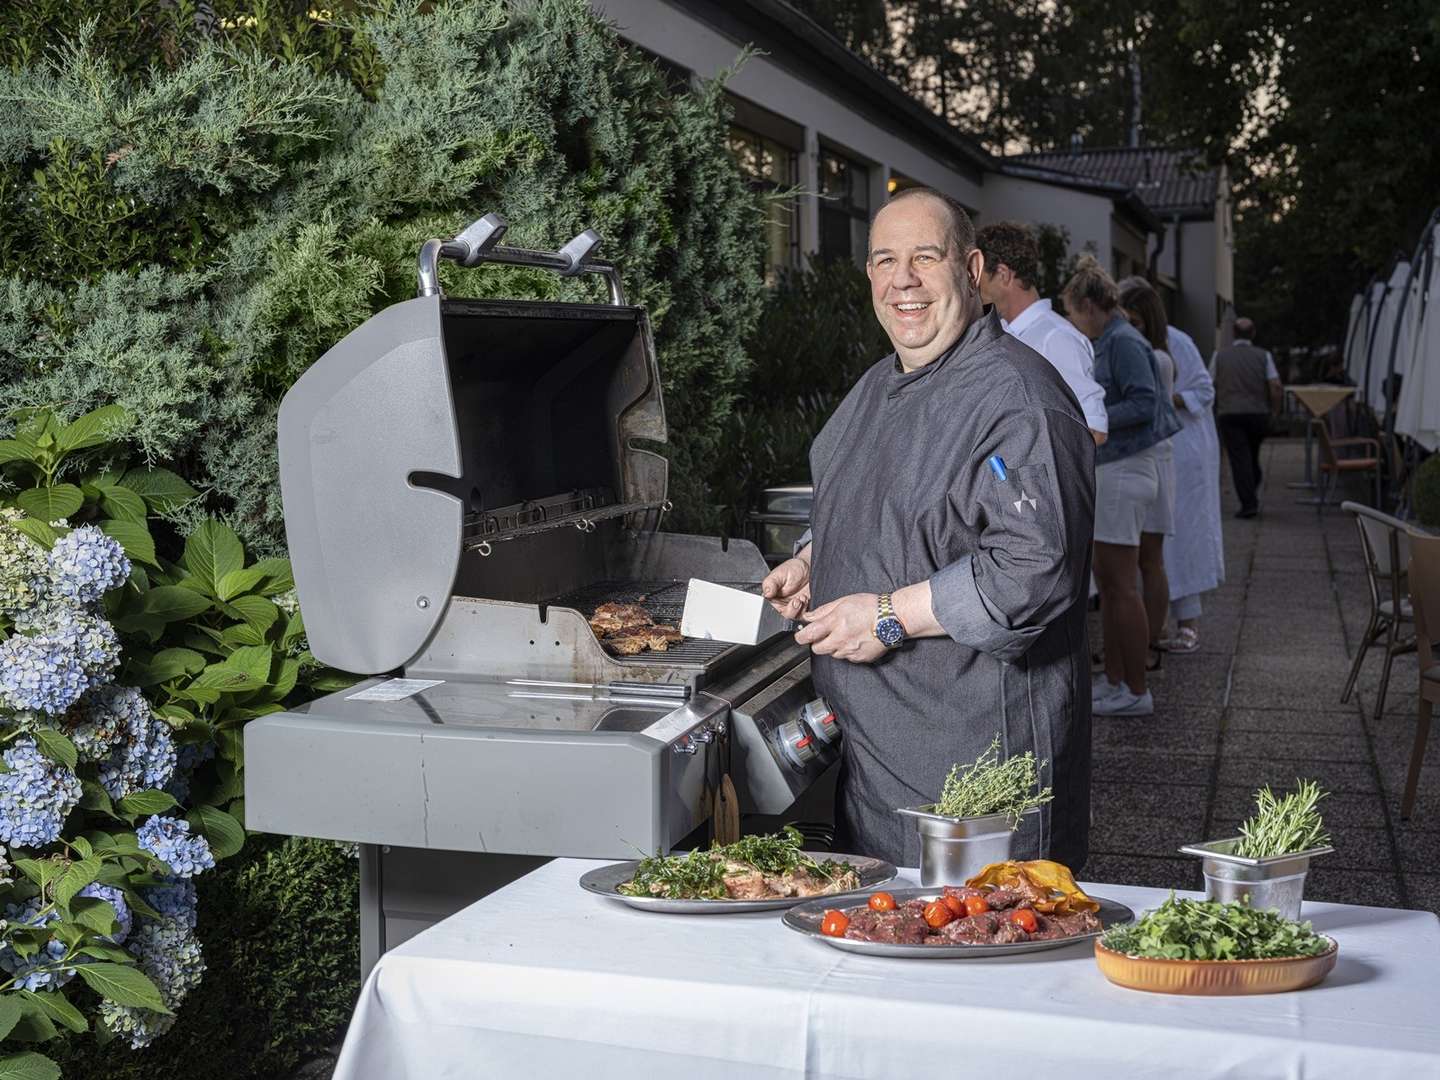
1382	331
1355	334
1419	412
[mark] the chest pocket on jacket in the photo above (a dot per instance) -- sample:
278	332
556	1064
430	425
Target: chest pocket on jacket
1026	507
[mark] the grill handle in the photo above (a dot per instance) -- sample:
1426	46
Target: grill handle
479	242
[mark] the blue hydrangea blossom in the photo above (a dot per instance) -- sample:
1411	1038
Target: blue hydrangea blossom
144	757
169	840
85	564
169	952
123	919
176	899
28	971
22	567
35	796
41	673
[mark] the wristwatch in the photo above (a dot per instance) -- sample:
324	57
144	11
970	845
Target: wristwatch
888	628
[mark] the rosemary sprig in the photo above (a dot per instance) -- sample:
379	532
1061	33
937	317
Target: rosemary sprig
1285	825
991	786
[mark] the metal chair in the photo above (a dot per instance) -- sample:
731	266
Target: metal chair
1425	594
1386	543
1334	464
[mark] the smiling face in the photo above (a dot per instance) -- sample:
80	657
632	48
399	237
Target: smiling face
925	293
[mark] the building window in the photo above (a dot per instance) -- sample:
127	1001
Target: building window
844	206
771	168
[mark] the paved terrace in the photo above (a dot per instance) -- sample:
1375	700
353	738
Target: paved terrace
1260	703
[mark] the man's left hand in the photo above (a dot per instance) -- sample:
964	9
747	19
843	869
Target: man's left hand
844	629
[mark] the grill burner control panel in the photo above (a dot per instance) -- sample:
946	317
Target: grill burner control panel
788	738
807	737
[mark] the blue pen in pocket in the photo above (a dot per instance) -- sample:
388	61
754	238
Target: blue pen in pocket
997	466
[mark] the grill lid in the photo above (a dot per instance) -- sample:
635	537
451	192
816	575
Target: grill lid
444	424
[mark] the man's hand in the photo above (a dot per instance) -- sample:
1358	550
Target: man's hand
787	587
844	629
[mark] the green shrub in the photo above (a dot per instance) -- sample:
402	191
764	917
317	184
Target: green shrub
1425	492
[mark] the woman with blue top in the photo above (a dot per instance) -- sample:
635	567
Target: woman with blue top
1127	482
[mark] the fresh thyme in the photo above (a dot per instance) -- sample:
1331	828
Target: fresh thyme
699	875
1209	930
991	786
1284	826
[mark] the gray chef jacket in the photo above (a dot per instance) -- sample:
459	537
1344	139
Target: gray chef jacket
904	493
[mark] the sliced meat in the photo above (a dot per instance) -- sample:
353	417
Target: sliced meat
971	930
962	891
803	882
745	883
660	638
899	927
627	642
1002	899
1054	927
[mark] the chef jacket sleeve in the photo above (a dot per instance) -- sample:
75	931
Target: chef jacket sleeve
1031	562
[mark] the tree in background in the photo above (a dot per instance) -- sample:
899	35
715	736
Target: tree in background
1315	106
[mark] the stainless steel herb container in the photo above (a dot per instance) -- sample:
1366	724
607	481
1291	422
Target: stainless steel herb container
1276	882
954	849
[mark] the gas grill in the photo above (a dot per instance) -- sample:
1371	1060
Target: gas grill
464	483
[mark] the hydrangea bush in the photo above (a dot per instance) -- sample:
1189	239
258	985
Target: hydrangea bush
125	680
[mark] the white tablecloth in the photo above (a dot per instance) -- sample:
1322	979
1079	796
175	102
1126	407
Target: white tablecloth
541	979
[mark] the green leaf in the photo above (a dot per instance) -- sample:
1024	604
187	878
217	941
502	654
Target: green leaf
279	577
134	537
120	502
95	914
238	581
146	802
241	634
168	664
106	952
59	1009
28	1066
40	871
256	611
104	425
82	845
94	797
172	603
76	877
226	679
212	551
50	503
37	530
9	1013
294	630
13	450
254	660
34	1024
160	488
224	833
122	985
56	746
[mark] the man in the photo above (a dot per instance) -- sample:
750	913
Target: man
1012	266
1247	393
946	576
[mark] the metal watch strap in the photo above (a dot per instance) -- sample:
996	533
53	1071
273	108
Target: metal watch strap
887	609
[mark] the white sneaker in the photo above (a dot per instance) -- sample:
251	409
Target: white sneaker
1101	688
1124	702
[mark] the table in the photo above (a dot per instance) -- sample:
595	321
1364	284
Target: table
1318	399
541	979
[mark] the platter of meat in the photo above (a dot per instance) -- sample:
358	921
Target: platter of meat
960	921
756	873
628	629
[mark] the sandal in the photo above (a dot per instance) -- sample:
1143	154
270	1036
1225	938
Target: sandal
1185	640
1159	653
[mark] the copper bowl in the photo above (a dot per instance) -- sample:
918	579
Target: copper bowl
1215	977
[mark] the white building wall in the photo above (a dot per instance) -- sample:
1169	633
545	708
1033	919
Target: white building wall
682	39
1197	312
1086	216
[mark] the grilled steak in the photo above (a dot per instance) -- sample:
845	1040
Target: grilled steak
611	617
804	883
1062	926
903	926
628	642
744	882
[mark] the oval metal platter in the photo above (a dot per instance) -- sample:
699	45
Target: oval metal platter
805	919
604	881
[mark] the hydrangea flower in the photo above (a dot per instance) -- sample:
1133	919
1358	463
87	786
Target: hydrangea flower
88	636
35	796
85	564
168	952
7	872
174	900
22	567
41	673
100	720
123	919
26	970
169	840
144	756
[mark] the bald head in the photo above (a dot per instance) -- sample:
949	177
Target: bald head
959	229
1245	328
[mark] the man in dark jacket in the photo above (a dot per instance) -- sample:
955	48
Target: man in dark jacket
944	588
1247	394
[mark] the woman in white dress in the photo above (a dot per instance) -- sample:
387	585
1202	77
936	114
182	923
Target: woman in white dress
1195	551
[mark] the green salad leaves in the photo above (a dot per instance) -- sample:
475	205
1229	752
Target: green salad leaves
1182	929
700	875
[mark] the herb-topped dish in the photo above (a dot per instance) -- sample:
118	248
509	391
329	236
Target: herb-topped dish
754	873
1268	861
1208	947
980	806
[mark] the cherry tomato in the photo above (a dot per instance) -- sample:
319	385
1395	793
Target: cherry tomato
955	904
1025	919
937	914
976	905
834	924
882	901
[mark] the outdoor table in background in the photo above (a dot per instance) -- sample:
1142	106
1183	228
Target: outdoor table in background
541	979
1318	399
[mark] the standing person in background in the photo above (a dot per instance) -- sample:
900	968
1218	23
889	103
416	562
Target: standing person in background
1247	394
1012	266
1127	481
1147	314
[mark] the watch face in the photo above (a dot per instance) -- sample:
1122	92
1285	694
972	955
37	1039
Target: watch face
889	631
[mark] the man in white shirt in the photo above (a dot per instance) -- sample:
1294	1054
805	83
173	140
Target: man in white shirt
1012	266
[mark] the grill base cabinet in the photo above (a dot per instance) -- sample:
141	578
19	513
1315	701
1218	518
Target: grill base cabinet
463	485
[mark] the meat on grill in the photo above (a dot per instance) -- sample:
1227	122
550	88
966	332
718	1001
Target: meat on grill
628	629
609	618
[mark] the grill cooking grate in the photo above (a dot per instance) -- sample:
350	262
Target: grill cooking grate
663	601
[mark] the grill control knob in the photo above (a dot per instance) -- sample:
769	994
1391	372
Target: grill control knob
797	743
821	721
